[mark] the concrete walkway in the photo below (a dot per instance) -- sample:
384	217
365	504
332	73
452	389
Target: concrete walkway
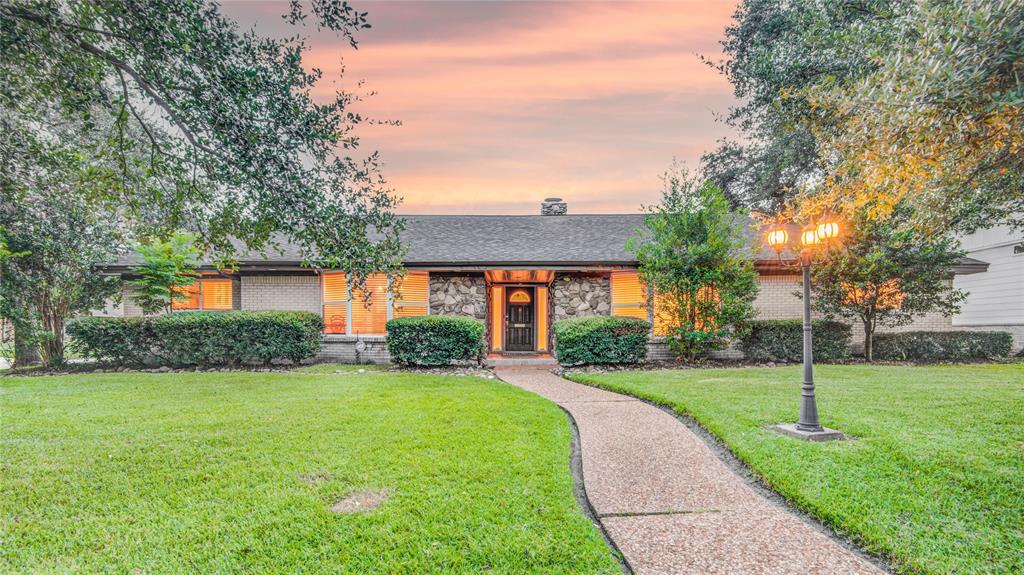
669	504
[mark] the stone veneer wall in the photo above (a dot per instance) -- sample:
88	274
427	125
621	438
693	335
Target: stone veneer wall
579	295
460	294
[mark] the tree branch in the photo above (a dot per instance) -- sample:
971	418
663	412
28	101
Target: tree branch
148	89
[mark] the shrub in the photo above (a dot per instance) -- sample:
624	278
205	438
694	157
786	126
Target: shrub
200	338
783	340
943	345
119	340
601	339
435	340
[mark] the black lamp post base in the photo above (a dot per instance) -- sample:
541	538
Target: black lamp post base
792	430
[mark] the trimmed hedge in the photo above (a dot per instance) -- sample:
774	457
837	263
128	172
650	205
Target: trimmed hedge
942	345
435	340
783	340
601	339
199	338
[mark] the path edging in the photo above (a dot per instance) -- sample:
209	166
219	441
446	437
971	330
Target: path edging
580	491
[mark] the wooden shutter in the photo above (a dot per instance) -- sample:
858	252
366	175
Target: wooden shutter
629	297
335	296
369	315
411	294
188	303
216	294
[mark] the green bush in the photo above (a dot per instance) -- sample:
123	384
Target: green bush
601	339
119	340
783	340
942	345
200	338
435	340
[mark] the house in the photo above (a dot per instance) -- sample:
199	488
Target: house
995	300
518	274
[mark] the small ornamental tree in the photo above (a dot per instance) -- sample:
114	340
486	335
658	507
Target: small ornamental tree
692	255
886	276
167	267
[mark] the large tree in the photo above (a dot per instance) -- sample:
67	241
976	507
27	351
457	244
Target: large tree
886	274
938	124
772	51
694	255
236	145
869	104
57	228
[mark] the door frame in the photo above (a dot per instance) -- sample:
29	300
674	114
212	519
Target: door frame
505	314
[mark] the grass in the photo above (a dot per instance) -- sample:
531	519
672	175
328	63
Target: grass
235	473
934	478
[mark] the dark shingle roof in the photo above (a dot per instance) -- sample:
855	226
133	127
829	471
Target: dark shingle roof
470	240
520	239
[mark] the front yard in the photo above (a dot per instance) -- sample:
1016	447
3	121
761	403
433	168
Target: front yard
934	477
237	472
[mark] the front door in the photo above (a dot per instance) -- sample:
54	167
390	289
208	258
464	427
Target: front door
519	319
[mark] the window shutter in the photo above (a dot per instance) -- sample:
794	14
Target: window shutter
629	296
216	294
370	319
411	294
335	294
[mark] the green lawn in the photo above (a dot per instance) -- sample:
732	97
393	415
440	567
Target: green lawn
235	473
934	478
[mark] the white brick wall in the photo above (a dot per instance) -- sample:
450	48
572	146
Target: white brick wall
286	292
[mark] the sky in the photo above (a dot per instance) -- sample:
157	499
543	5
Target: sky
502	104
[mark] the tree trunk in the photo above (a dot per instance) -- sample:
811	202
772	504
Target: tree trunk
26	352
869	335
53	344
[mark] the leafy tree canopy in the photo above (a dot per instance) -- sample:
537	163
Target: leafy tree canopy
772	51
694	255
165	268
233	143
938	125
886	275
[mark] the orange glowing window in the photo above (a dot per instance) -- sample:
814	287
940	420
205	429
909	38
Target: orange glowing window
215	294
370	306
411	294
191	299
519	296
335	296
695	309
205	294
887	295
629	296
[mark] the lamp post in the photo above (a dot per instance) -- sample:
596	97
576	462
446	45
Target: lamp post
812	237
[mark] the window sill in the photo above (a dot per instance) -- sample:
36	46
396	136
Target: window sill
342	338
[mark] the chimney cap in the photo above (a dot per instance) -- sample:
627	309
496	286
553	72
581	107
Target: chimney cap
553	207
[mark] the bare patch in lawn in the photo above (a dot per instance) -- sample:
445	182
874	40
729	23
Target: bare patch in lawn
359	501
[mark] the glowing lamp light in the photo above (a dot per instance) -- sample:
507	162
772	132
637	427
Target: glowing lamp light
809	236
778	239
827	231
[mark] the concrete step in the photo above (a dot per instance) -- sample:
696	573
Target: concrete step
522	360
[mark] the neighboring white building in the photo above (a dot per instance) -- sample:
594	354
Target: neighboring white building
996	297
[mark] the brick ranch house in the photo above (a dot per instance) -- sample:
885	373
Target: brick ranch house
518	274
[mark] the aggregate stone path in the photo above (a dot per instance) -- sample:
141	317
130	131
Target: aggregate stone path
669	504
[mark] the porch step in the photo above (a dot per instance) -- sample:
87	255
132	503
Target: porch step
495	360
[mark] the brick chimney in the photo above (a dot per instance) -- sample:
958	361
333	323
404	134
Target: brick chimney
553	207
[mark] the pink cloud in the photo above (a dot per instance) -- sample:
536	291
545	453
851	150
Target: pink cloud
503	104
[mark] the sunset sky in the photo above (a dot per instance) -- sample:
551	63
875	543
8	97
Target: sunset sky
504	103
